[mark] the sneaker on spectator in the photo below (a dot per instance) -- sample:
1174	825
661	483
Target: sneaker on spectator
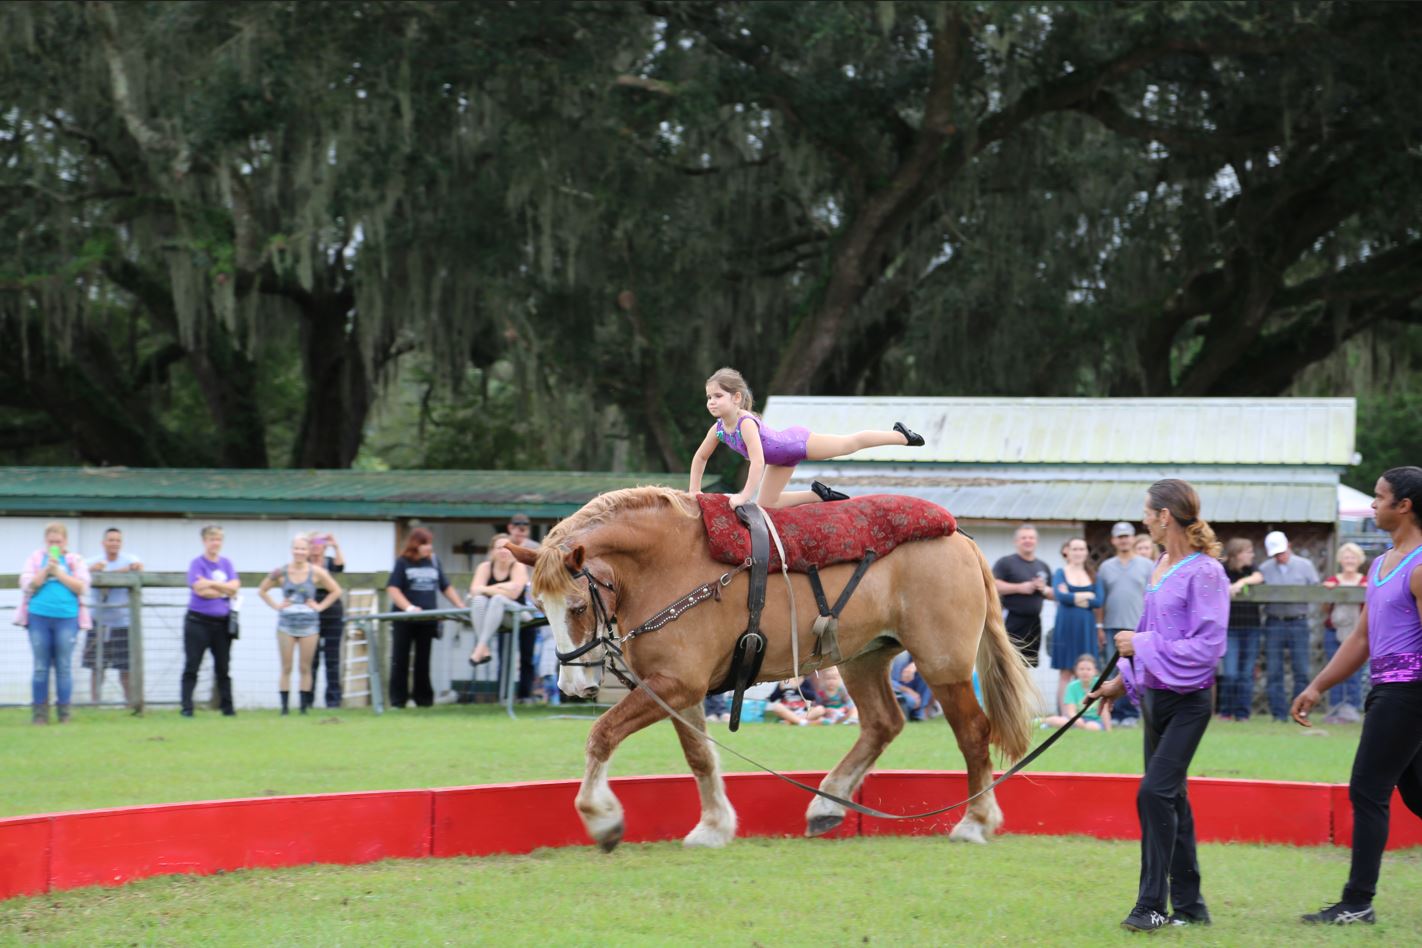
1144	920
1341	913
1128	722
1199	916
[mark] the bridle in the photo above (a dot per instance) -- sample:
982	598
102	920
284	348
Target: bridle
603	623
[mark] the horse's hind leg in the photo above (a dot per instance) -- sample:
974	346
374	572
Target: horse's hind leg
718	819
970	726
596	803
880	721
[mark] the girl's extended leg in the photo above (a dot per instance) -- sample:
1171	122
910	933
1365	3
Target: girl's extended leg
822	447
308	644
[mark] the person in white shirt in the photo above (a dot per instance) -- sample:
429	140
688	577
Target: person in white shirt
107	643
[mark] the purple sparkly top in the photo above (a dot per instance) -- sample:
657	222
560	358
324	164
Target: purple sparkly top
782	448
1181	636
1394	628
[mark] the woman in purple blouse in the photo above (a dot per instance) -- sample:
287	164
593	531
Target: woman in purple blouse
212	581
1389	637
1169	670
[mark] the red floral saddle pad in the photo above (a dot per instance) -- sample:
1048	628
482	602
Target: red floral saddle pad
821	535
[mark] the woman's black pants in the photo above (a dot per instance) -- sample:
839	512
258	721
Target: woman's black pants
403	635
203	633
1389	755
333	626
1174	724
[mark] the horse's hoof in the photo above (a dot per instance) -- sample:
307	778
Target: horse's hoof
609	840
969	831
707	838
822	823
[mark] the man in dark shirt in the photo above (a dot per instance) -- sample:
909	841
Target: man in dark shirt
1024	582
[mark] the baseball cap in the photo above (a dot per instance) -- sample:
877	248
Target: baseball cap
1275	543
1123	529
520	520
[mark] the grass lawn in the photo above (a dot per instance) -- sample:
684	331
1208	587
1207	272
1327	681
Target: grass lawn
1015	890
109	758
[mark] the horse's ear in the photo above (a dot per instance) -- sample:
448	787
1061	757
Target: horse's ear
574	559
523	554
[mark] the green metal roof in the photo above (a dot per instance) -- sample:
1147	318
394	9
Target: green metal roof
360	495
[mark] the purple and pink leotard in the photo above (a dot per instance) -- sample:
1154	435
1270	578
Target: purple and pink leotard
782	448
1394	627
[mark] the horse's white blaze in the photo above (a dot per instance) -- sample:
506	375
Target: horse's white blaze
718	818
598	805
572	679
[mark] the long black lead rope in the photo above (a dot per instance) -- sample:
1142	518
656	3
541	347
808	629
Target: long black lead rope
628	674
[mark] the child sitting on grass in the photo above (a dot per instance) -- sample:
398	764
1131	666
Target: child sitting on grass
834	698
788	704
1098	716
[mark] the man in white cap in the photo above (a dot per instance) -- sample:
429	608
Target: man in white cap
1123	580
1285	623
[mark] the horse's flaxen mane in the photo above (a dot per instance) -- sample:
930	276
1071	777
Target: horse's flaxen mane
550	576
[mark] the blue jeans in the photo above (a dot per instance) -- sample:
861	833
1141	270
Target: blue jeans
1279	633
1350	690
1237	673
52	641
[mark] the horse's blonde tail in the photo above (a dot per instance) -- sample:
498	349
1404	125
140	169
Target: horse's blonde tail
1010	697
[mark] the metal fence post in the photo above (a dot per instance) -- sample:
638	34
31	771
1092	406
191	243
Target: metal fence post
135	646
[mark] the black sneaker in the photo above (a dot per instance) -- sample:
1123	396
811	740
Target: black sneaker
826	493
1197	917
1144	920
1341	913
914	440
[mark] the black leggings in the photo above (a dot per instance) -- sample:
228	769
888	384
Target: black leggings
1389	755
203	633
404	636
1174	724
332	627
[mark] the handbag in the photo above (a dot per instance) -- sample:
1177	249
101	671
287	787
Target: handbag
234	619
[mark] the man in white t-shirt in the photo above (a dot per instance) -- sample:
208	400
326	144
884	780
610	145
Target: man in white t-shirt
107	643
1123	580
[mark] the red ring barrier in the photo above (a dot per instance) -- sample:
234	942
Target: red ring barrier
110	847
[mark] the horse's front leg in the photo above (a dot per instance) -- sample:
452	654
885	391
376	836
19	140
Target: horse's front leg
597	804
718	818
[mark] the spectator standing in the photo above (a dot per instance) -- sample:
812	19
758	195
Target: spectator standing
1242	648
1023	582
414	586
53	582
299	616
1285	623
498	587
1123	582
518	529
111	617
1077	592
1345	701
1170	667
1389	638
326	553
213	583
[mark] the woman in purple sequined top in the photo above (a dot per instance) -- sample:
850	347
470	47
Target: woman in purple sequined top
774	454
1169	670
1389	637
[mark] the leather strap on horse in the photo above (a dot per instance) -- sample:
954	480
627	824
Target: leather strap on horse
789	591
827	625
850	804
750	647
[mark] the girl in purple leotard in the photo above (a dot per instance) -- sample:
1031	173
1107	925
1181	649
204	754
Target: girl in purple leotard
774	454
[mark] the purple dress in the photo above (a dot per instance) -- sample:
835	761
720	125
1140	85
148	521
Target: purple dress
1394	627
782	448
1181	636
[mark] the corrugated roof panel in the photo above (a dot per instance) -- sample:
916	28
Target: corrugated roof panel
1318	431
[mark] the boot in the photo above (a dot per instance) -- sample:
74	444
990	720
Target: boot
308	699
41	713
285	702
63	710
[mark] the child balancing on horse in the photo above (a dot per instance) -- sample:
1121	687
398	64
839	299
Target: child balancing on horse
774	454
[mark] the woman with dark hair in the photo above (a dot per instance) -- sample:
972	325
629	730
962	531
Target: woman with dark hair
1245	632
1078	591
414	586
1389	637
1168	669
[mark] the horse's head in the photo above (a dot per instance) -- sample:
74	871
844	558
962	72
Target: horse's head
577	595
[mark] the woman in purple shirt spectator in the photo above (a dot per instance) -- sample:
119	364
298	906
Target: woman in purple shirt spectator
1169	670
213	582
1389	637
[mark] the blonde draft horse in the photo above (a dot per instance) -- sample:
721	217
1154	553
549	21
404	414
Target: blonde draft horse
935	598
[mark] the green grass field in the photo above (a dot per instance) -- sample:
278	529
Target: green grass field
109	758
755	892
